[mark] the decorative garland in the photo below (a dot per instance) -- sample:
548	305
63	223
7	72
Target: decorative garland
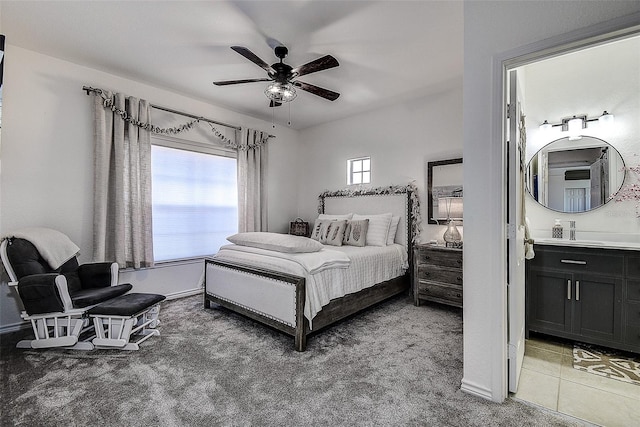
244	147
108	103
411	189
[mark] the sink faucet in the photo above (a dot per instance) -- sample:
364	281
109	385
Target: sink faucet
572	230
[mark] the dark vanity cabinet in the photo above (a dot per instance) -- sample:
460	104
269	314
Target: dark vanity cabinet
590	295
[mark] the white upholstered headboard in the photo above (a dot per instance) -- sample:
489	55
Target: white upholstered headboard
374	201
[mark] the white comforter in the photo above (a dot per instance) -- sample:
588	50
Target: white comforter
331	273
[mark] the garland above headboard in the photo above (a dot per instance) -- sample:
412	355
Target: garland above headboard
411	189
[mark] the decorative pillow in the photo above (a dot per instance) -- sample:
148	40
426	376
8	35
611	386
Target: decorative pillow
393	229
356	232
329	232
276	242
335	217
378	228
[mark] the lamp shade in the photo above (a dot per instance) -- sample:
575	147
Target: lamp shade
606	119
575	126
546	126
450	207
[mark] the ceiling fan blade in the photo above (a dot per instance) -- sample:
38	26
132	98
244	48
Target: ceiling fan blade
324	93
319	64
274	104
253	58
235	82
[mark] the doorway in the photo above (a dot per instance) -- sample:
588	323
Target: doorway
546	78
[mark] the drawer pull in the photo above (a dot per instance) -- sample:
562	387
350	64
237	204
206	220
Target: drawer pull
573	261
459	279
569	289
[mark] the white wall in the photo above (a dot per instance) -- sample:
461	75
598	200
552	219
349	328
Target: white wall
605	77
491	29
400	139
47	166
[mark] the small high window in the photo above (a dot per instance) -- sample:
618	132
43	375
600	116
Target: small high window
359	170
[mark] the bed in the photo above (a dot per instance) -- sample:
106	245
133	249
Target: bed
303	293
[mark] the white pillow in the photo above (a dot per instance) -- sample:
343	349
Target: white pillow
393	229
335	217
276	242
378	228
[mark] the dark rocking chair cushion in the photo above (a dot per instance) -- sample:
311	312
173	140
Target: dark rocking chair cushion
86	297
39	294
95	275
127	305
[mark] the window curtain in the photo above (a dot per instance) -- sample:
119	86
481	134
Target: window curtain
122	184
252	181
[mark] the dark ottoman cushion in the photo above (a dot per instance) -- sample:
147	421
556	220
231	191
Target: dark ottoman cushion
127	305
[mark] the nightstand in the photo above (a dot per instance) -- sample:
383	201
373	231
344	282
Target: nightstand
437	274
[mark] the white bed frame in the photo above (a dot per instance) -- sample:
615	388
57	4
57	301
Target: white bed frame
277	299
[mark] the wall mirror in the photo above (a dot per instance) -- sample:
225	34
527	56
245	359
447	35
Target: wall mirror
444	182
575	175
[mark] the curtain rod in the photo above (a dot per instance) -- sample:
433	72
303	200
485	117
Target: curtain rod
89	89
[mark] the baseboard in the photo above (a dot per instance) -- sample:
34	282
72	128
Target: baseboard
183	294
14	327
476	389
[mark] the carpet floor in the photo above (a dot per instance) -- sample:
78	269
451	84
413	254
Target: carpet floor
392	365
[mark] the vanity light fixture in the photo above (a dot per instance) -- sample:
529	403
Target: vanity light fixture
575	124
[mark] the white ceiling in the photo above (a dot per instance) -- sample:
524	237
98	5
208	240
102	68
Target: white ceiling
388	51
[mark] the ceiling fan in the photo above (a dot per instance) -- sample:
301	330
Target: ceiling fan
283	76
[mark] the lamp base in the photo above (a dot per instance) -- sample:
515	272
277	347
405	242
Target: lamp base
451	236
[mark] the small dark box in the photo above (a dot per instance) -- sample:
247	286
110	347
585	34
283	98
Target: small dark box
299	228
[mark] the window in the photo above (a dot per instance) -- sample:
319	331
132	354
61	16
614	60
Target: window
359	170
195	199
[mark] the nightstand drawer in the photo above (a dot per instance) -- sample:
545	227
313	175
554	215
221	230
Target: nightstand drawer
440	258
437	274
450	294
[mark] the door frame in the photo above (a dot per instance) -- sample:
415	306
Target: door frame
591	36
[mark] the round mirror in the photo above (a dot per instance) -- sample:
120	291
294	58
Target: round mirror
575	175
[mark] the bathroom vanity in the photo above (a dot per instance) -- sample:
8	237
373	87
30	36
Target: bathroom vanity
588	293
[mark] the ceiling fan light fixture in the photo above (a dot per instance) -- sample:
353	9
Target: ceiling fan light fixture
280	92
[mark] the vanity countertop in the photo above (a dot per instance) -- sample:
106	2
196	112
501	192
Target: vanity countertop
588	243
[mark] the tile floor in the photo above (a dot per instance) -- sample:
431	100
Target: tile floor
548	379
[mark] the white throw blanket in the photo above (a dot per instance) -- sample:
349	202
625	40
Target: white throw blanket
312	262
56	248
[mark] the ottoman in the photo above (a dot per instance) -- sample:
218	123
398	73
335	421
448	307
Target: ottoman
125	318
